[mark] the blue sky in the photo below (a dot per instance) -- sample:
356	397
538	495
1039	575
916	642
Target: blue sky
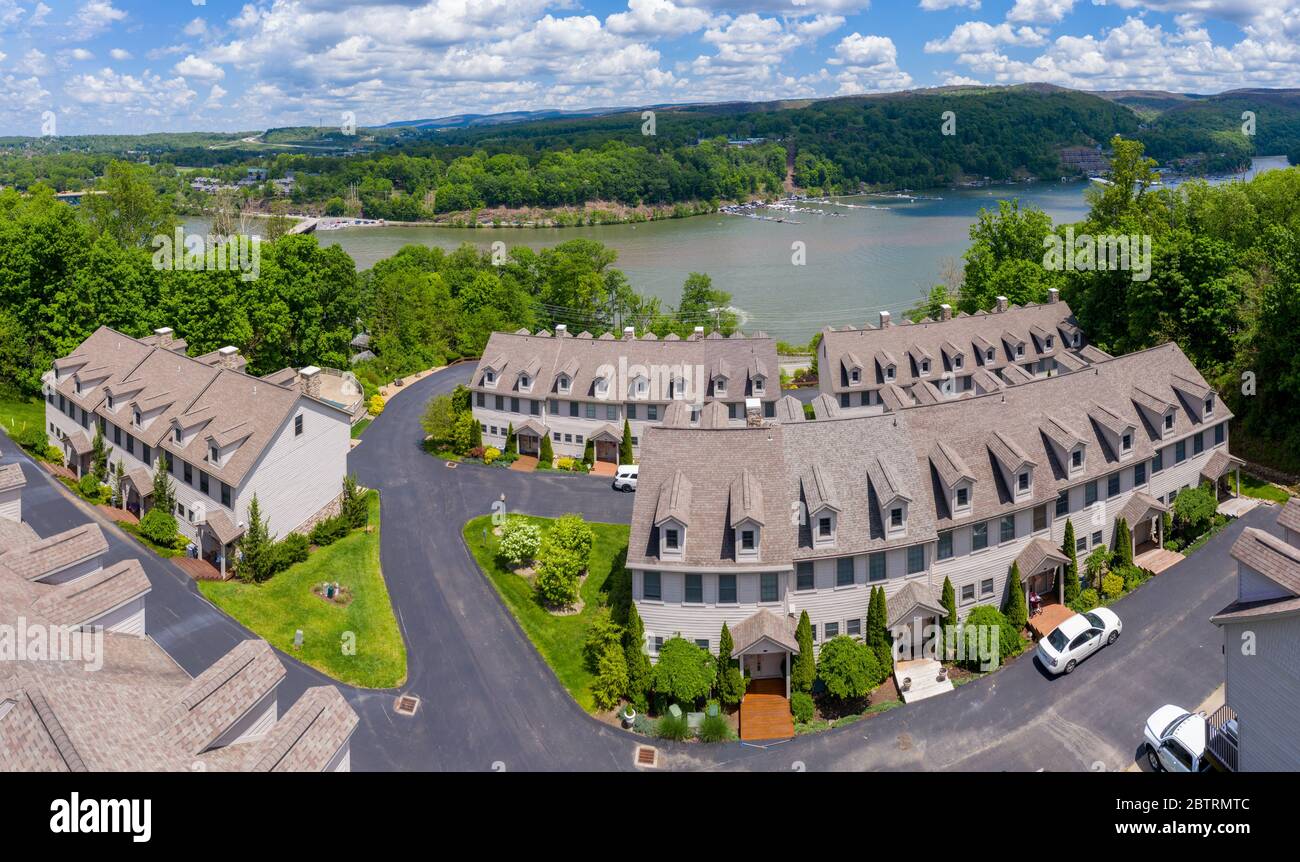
163	65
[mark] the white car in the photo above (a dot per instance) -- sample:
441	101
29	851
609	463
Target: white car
1077	638
1176	740
625	477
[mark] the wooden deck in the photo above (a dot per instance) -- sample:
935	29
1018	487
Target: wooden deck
1051	616
199	570
1157	559
764	712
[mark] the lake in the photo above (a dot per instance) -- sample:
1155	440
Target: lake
856	264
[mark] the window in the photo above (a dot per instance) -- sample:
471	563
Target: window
694	589
1126	443
957	362
1220	432
499	402
117	436
1007	529
135	418
1040	518
844	572
1063	504
915	559
832	630
1076	459
1157	462
986	587
1049	341
945	545
855	376
963	497
1209	405
671	539
747	542
896	517
659	644
824	527
767	587
1180	451
565	383
726	589
889	372
813	628
176	435
631	411
225	495
1169	421
702	643
146	455
1198	443
876	566
844	399
968	593
189	473
130	444
489	377
525	382
214	456
568	438
297	425
989	356
1112	485
480	399
652	411
611	411
1020	351
651	588
1096	538
171	464
720	386
1081	544
979	536
203	482
514	405
1139	474
759	386
803	576
925	366
853	628
1089	493
574	408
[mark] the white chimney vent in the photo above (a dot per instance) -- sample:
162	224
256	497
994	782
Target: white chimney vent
629	332
945	312
561	329
1053	295
1002	303
884	319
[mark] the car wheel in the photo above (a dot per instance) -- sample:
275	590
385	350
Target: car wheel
1114	636
1154	760
1070	665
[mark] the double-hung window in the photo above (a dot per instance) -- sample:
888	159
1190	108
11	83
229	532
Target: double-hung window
915	559
651	586
694	589
945	545
767	587
1063	504
844	572
979	536
803	576
1007	529
876	566
726	589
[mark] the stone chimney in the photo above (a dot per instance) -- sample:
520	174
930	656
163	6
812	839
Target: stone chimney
1053	295
884	319
753	413
698	333
629	332
228	357
1002	304
561	330
310	379
945	312
165	337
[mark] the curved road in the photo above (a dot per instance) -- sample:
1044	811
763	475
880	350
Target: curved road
488	700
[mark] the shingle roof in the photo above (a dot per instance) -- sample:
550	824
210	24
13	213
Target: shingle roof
674	499
949	465
85	599
1289	517
746	498
1274	559
843	345
47	556
902	605
1139	507
221	695
11	477
1220	462
1036	554
308	735
763	624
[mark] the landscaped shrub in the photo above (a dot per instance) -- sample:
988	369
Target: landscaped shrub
289	551
33	439
547	454
714	728
803	672
491	454
684	673
1097	564
1194	511
1112	585
329	531
353	507
847	668
1016	610
674	728
88	486
801	707
731	682
611	677
557	583
976	645
640	674
375	405
159	527
1087	601
602	635
463	434
519	541
571	533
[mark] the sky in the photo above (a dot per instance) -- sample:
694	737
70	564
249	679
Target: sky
127	66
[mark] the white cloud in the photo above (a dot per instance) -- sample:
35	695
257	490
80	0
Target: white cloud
1040	11
870	64
197	27
120	54
81	55
977	36
129	95
93	18
939	5
657	18
197	67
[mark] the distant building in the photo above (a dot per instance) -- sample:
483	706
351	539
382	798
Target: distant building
1089	161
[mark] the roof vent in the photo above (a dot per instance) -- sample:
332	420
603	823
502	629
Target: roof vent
1002	303
945	312
1053	295
629	332
561	329
884	319
164	334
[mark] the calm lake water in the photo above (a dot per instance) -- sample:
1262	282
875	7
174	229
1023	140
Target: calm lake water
857	263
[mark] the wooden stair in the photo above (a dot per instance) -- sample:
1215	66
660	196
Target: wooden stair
765	712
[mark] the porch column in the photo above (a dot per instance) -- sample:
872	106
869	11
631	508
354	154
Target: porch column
1060	584
223	560
789	662
1236	488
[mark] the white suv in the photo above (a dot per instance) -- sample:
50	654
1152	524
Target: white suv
1176	740
625	478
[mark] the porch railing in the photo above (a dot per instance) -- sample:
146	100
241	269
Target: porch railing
1221	741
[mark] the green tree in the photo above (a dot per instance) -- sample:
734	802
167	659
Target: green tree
1072	567
547	451
439	419
353	507
877	633
164	494
255	560
512	442
625	444
99	457
1123	544
589	453
1016	611
129	210
611	681
1005	258
730	683
1194	508
803	672
1096	565
949	601
684	673
602	634
639	669
847	668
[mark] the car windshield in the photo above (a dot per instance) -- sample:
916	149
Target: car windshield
1095	621
1057	639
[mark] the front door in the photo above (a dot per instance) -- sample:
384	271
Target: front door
528	444
765	665
607	450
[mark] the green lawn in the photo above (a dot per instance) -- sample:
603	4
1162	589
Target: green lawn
558	639
18	412
361	426
1252	486
275	609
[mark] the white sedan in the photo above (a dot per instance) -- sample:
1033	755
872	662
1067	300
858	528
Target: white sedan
1077	638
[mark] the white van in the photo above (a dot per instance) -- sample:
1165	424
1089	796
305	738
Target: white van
625	478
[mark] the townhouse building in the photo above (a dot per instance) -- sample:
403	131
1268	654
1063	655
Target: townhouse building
225	435
752	525
876	369
1261	650
83	687
577	388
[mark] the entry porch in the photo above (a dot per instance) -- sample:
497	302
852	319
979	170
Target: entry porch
765	646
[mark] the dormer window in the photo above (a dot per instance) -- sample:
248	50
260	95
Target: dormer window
489	378
963	498
602	387
1169	422
672	539
925	367
990	356
1209	405
958	361
564	384
1076	460
1078	339
759	385
135	418
1126	442
109	401
748	540
896	518
889	372
641	387
720	386
1049	341
176	435
855	377
1022	482
78	387
825	530
525	382
214	456
1020	351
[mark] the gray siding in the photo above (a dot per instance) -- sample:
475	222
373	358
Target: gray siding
1264	690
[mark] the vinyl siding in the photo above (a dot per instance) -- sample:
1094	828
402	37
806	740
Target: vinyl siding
129	619
1264	690
11	504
